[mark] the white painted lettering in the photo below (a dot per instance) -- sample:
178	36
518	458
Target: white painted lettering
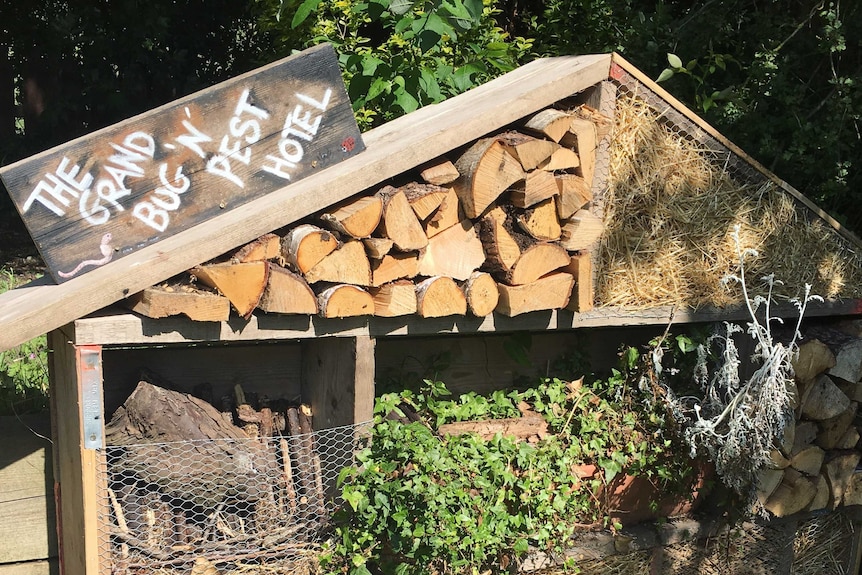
243	107
179	178
296	155
193	138
238	129
304	121
278	167
220	166
171	202
233	152
319	104
61	188
133	141
156	218
91	208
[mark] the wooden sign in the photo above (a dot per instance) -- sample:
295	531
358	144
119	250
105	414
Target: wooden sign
103	196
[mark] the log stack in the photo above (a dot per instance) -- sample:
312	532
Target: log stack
505	225
814	468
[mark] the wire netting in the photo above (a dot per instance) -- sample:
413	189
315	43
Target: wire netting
257	505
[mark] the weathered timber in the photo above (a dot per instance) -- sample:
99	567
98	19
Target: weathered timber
540	221
394	299
808	460
529	151
455	253
439	172
487	170
549	292
167	300
551	123
538	185
287	293
343	300
581	231
356	218
446	216
424	198
305	245
520	428
581	267
266	247
399	222
395	266
440	297
573	193
101	197
243	284
482	293
347	264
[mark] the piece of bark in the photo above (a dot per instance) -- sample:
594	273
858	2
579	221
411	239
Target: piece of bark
549	292
305	245
561	160
582	137
823	399
581	231
850	439
376	248
347	264
501	248
540	221
529	151
792	495
487	170
440	296
813	358
356	218
838	471
302	455
287	473
537	186
343	300
834	428
399	222
603	123
581	267
287	293
446	216
455	253
147	423
519	428
551	123
573	193
439	172
266	247
395	266
808	461
243	284
822	495
767	482
394	299
164	301
482	293
424	198
848	361
853	493
536	261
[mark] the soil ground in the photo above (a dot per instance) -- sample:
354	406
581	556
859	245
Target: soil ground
18	253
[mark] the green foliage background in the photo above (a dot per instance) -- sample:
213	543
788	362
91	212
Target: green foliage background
779	77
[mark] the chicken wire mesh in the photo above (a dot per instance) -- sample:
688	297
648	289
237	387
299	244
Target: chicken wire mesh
257	505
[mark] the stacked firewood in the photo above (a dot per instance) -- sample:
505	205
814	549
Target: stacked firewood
505	226
815	466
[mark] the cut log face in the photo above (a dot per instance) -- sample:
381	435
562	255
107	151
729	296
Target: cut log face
551	123
482	294
394	299
582	137
440	172
164	301
832	430
792	495
838	471
581	231
850	439
356	218
561	160
344	300
399	222
848	361
376	248
767	482
853	493
537	186
242	284
455	253
536	261
500	246
529	151
347	264
808	461
446	216
550	292
306	245
581	267
540	221
814	357
394	267
424	198
822	496
777	460
266	247
573	193
440	297
603	124
487	170
287	293
823	399
805	432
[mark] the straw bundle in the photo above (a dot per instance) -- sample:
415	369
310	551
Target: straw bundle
670	213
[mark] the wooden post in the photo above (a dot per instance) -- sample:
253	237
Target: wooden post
77	470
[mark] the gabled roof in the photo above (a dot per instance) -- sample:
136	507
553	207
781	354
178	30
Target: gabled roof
392	149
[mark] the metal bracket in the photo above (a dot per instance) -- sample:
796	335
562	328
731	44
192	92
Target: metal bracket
92	411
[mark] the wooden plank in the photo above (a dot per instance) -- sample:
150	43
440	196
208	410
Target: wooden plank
106	195
392	149
41	567
28	532
112	327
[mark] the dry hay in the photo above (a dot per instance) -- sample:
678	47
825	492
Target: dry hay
670	213
823	546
